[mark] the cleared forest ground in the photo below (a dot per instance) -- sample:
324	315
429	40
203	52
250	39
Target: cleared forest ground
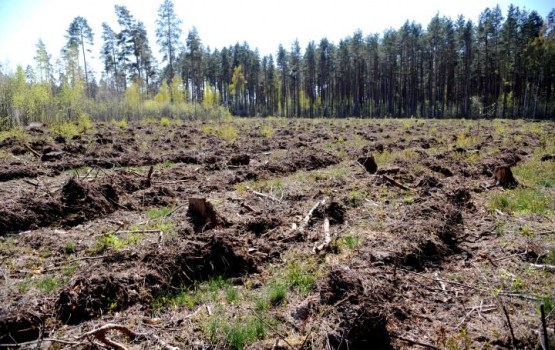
305	243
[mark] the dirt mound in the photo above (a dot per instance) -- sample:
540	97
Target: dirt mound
79	201
240	159
360	322
307	159
428	232
157	197
341	284
175	265
94	294
260	225
334	211
82	202
12	172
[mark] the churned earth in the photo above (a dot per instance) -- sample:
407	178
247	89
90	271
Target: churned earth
279	234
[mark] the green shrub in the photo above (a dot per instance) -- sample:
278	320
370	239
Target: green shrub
15	133
122	123
84	122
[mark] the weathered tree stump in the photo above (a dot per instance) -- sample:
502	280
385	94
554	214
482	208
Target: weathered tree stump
369	163
504	177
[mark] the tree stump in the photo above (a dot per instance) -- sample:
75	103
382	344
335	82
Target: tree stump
504	177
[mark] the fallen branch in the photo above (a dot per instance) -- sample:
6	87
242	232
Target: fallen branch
37	154
163	344
264	195
327	237
100	335
545	342
395	183
550	268
53	340
309	215
416	342
509	324
175	209
139	231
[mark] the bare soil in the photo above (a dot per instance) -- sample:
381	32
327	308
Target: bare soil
416	257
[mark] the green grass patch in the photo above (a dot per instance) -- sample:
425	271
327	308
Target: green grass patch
523	200
47	284
300	277
214	290
237	332
277	293
114	242
159	213
351	241
536	173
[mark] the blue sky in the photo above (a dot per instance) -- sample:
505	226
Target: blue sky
262	23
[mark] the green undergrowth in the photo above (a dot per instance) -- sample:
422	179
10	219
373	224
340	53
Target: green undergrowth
534	172
523	200
14	133
246	313
115	242
47	284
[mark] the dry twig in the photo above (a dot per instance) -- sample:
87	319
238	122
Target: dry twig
306	219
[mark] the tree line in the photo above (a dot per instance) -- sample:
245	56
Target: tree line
497	67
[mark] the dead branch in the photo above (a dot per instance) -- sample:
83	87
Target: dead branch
415	342
327	237
149	176
544	328
309	215
509	324
550	268
52	340
175	209
37	154
139	231
100	335
264	195
163	344
395	183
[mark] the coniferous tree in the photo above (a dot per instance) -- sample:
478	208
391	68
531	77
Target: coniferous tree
168	35
80	34
109	54
43	65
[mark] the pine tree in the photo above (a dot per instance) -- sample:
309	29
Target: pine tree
43	65
80	34
109	54
168	35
